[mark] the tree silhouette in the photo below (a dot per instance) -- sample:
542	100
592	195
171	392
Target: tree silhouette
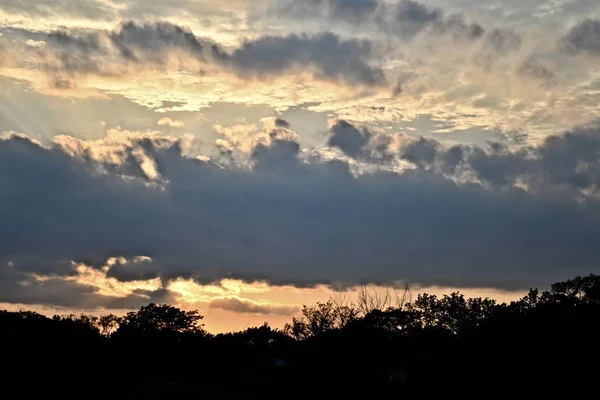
321	318
577	290
377	346
108	324
161	318
372	300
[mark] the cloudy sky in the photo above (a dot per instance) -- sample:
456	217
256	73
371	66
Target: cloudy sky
250	156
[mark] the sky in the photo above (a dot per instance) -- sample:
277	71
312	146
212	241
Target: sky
247	157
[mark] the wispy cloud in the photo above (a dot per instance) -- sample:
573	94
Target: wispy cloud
171	123
248	307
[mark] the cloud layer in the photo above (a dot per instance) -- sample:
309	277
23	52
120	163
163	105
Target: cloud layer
585	37
247	307
404	18
491	65
132	44
458	217
109	210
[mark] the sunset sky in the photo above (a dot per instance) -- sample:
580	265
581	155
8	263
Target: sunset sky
246	157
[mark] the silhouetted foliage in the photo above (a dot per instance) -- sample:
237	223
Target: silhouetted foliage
379	345
321	318
162	319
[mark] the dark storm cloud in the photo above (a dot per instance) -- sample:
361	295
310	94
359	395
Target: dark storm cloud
17	286
137	42
126	270
584	37
281	123
569	162
503	41
403	18
59	293
330	57
247	307
353	11
333	58
422	152
291	222
348	138
459	28
533	68
156	38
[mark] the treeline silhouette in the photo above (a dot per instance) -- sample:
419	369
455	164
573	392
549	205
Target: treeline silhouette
380	344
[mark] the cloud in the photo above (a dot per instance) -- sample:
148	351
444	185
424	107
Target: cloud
533	68
568	162
348	138
404	18
280	123
354	11
248	307
498	80
497	46
130	42
463	216
160	43
171	123
82	287
5	53
363	204
245	138
122	152
155	39
332	58
584	37
503	41
88	9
